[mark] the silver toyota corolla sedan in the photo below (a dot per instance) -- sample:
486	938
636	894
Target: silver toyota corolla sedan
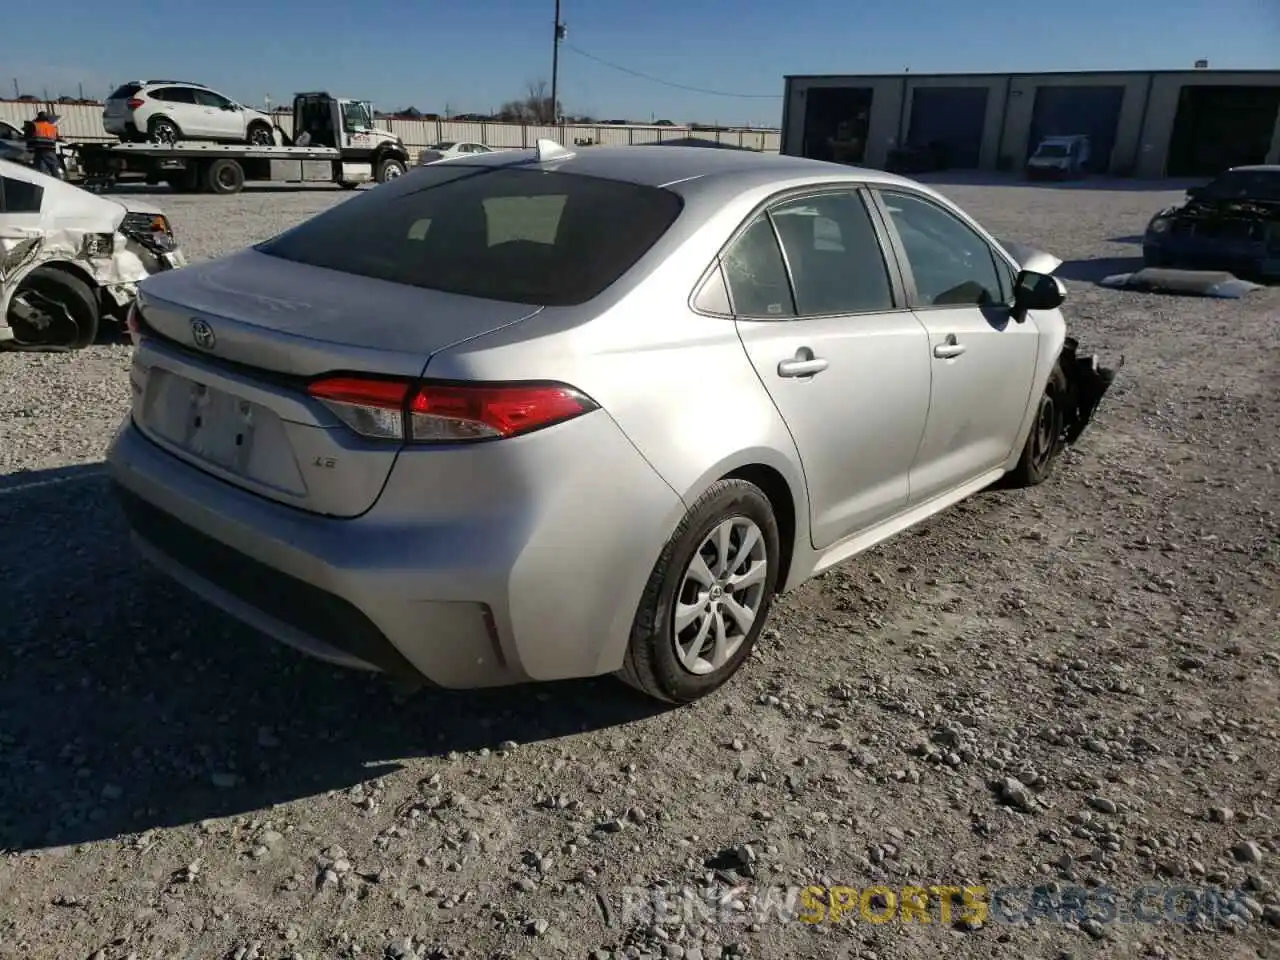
540	415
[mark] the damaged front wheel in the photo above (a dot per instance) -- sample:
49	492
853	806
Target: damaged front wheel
52	310
1044	442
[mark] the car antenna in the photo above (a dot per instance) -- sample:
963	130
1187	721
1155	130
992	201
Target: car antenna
549	150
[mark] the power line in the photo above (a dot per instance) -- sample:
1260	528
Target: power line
668	83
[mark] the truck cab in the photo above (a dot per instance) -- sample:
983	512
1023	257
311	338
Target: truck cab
320	120
1059	157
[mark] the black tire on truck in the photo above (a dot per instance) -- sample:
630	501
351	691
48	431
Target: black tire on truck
52	310
224	176
389	169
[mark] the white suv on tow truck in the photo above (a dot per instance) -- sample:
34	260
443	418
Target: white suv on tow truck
166	111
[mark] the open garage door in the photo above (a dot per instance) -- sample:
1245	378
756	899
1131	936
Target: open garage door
954	117
836	122
1068	111
1219	127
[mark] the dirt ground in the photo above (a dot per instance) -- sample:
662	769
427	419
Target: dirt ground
1072	688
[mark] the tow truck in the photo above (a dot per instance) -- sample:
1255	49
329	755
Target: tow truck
334	141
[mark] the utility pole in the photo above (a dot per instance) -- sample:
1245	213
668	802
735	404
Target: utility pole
555	65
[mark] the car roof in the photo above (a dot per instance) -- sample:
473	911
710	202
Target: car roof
658	165
1257	168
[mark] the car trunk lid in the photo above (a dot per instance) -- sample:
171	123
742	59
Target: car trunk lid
228	348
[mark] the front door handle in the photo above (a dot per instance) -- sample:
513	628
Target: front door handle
804	364
949	349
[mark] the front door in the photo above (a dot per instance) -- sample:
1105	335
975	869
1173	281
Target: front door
982	361
223	116
847	365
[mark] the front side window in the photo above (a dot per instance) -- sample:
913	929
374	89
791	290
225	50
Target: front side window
952	265
514	234
355	116
837	264
207	98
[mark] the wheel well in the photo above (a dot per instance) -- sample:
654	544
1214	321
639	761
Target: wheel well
389	152
74	270
778	491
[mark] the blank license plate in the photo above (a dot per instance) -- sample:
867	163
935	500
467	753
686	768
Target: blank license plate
220	428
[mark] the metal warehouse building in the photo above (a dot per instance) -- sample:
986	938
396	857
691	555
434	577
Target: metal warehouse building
1165	123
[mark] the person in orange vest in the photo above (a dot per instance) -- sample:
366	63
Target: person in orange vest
42	141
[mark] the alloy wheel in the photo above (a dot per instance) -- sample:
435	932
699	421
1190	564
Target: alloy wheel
720	595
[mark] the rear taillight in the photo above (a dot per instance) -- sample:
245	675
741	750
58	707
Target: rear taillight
131	324
447	412
135	103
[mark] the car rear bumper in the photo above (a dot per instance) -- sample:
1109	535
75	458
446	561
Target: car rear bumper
549	595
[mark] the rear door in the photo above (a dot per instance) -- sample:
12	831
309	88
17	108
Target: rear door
826	325
179	104
982	363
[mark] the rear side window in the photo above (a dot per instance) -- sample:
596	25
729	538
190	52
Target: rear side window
836	262
518	235
125	91
174	95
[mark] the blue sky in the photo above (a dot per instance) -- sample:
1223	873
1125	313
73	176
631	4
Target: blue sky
471	55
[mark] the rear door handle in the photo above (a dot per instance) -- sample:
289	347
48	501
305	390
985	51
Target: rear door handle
949	349
802	366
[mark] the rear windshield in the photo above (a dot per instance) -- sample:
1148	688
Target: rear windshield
125	91
518	235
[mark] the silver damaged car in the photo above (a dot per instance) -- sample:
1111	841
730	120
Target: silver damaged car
536	415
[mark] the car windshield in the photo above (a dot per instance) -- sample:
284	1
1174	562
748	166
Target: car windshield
1051	150
446	145
1246	185
514	234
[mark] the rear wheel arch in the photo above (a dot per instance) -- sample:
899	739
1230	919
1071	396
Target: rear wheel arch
782	500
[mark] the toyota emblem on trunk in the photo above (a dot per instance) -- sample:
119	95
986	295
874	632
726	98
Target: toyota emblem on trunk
202	334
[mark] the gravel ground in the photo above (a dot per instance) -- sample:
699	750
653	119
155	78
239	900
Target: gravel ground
1073	687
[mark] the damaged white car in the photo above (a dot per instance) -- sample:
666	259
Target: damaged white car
70	259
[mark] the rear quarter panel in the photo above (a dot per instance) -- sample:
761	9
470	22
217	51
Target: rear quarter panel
678	384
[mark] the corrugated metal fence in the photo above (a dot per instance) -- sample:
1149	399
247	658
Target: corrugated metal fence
84	122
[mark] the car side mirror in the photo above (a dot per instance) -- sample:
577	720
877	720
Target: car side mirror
1037	291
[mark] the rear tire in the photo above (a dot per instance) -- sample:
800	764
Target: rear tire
1044	442
55	295
163	130
224	176
682	665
